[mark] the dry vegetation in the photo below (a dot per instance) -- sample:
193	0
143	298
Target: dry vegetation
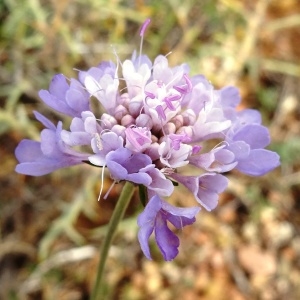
51	226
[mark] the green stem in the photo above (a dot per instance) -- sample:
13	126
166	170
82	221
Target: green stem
123	201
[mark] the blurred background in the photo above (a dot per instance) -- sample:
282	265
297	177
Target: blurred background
52	226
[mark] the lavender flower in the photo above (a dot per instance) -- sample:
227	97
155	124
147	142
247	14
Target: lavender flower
155	217
148	133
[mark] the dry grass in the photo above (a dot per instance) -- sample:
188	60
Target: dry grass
51	226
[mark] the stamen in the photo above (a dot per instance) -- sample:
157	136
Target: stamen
167	171
138	137
184	88
181	223
181	89
169	104
144	27
161	112
188	82
160	83
142	32
196	149
102	182
221	144
168	100
176	140
149	94
118	62
109	190
98	141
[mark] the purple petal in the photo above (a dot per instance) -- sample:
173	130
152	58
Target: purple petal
77	125
75	138
166	240
38	168
111	141
143	237
208	199
48	143
58	86
202	160
230	96
256	136
160	184
240	149
45	121
210	185
190	182
180	222
139	178
28	151
122	160
146	221
249	116
116	170
77	98
148	215
259	162
55	103
187	212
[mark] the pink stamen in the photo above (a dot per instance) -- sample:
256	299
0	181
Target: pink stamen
150	95
144	27
169	104
168	100
196	149
181	89
161	112
176	140
188	82
138	137
174	97
159	83
184	88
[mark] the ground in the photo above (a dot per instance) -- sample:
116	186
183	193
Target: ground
52	226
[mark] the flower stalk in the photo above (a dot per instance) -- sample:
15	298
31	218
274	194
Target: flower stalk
118	213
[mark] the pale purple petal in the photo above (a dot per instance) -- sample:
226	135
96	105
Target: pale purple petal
187	212
249	116
75	138
190	182
160	184
58	86
210	186
146	221
149	214
28	151
256	136
259	162
70	100
45	121
125	165
117	171
179	222
37	168
166	240
77	98
230	96
240	149
143	237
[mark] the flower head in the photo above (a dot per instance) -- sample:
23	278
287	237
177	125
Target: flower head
147	133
